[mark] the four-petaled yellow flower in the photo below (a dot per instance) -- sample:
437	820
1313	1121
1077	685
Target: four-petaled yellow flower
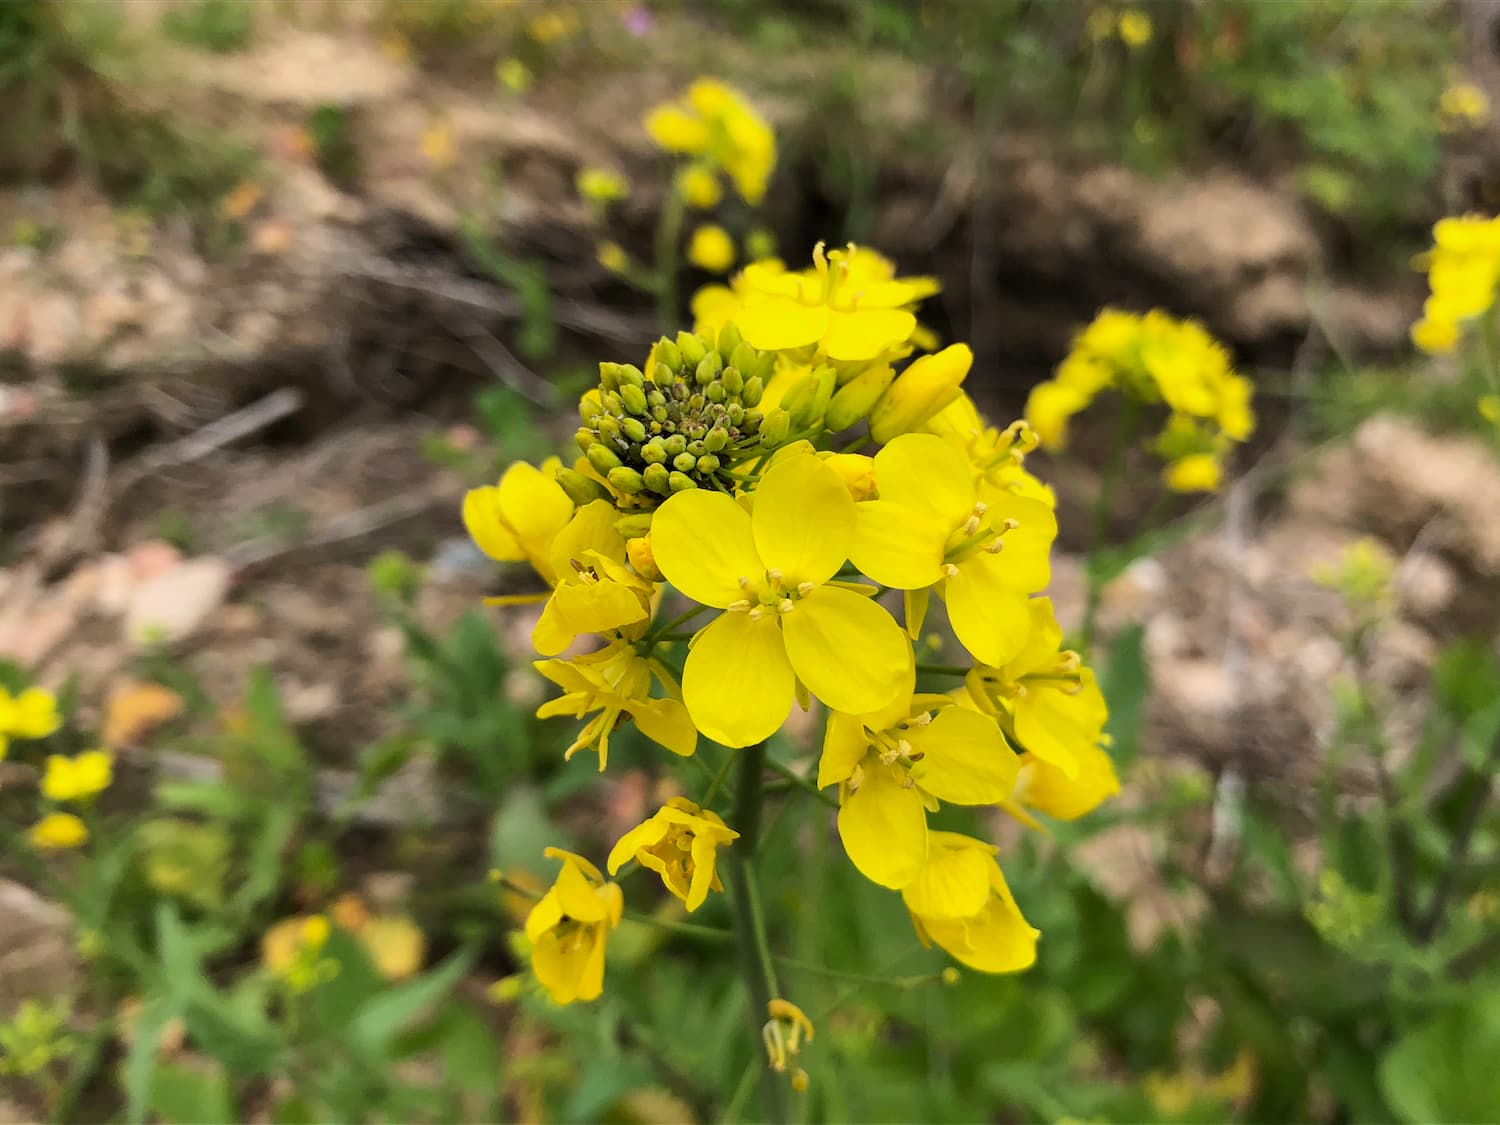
711	248
595	590
616	682
568	926
78	778
680	843
31	714
58	831
961	902
1463	271
786	621
715	123
893	769
929	527
517	520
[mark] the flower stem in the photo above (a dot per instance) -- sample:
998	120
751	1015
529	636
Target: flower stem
757	966
668	235
1103	504
944	669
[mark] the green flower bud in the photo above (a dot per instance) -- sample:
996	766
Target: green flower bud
585	437
715	392
735	414
708	368
589	408
654	452
774	429
765	366
856	398
633	429
754	419
733	381
657	479
744	357
602	458
609	376
692	350
627	480
663	376
755	386
708	463
667	356
581	489
630	375
613	403
717	439
681	482
685	462
633	397
729	340
675	444
633	526
608	428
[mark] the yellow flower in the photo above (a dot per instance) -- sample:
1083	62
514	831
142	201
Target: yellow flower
57	831
518	519
292	949
892	769
717	124
929	528
600	185
1043	697
1049	406
1489	408
1197	472
612	257
32	714
786	621
1435	337
394	943
711	249
1464	104
75	779
680	843
553	25
838	306
514	75
782	1034
929	385
699	187
568	926
595	591
1048	789
1135	28
997	457
1463	272
616	682
961	902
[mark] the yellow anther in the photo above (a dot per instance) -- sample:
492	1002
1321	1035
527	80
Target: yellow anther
995	547
980	507
785	605
950	570
970	527
757	613
908	782
889	757
904	748
920	720
856	778
799	1081
741	606
805	588
745	583
1010	524
1068	661
773	576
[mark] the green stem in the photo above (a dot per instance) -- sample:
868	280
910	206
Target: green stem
683	929
756	964
656	631
717	781
943	669
1103	504
668	236
796	779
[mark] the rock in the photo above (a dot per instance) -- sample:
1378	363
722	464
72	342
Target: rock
173	606
37	956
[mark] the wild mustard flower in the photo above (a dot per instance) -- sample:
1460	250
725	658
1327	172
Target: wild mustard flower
568	926
1463	106
785	621
612	256
517	519
31	714
711	248
679	842
77	778
892	769
699	187
292	949
715	123
615	681
930	529
1463	272
57	832
929	385
601	185
1135	28
595	590
961	902
514	75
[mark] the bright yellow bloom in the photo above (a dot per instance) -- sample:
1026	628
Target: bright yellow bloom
78	778
1043	697
568	926
1135	28
838	307
930	384
32	714
1463	105
680	843
786	621
292	949
615	681
961	902
699	187
893	769
518	519
58	831
395	944
1048	789
1435	337
711	248
601	185
595	590
716	123
929	528
997	457
1198	472
1463	271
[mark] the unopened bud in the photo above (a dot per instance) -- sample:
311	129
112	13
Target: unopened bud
920	391
733	381
856	471
685	462
675	444
609	375
668	355
856	398
654	452
581	488
691	349
681	482
589	407
775	428
708	368
627	480
585	437
729	340
656	477
638	551
630	376
708	463
812	400
602	458
755	386
633	429
717	439
633	397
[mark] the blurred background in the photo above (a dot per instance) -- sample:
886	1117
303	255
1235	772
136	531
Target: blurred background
279	280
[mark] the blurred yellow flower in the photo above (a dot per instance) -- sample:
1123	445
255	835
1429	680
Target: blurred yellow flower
1463	272
711	249
517	519
58	831
32	714
514	75
612	257
680	843
600	185
78	778
553	25
700	187
715	123
1135	28
568	926
438	145
1489	408
1463	105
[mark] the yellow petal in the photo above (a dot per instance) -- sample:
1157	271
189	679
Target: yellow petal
666	722
534	504
954	884
1028	545
703	543
803	520
1051	791
575	894
965	759
844	744
1060	727
647	834
884	829
898	546
781	323
990	618
863	334
486	526
923	471
848	650
737	682
592	528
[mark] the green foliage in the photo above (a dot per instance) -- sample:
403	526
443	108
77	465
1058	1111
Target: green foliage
219	26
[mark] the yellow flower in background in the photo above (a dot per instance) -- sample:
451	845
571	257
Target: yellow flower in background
595	590
700	187
600	185
31	714
1489	408
680	843
714	122
1463	272
961	902
514	75
1463	105
711	249
78	778
892	769
928	528
568	926
615	681
293	948
553	25
58	831
612	257
517	520
786	621
438	145
1135	28
1197	472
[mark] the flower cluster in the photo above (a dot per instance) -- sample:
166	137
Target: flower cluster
811	572
33	714
1153	359
717	128
1463	271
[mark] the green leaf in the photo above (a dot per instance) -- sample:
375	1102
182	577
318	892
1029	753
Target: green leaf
470	1054
265	866
1445	1070
140	1063
381	1019
184	1094
273	740
1125	680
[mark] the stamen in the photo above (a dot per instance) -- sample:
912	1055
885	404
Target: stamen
950	571
920	720
916	757
980	507
970	526
741	606
1010	524
805	588
786	605
995	547
745	583
773	576
757	613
